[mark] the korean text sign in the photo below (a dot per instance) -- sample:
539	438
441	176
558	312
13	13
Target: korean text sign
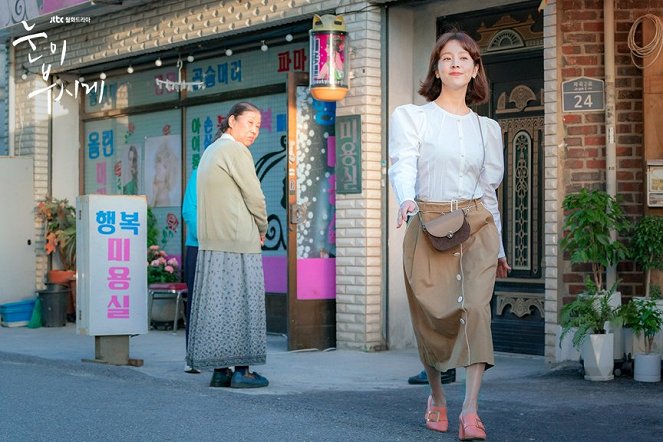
111	260
348	154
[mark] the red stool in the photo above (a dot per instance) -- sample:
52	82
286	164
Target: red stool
167	290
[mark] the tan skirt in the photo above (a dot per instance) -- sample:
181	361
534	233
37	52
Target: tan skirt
449	292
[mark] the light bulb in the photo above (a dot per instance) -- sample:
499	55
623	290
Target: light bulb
190	59
130	69
24	76
229	52
81	79
288	37
264	47
158	62
102	76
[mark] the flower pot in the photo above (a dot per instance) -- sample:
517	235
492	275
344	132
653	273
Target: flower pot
598	357
647	367
61	276
54	306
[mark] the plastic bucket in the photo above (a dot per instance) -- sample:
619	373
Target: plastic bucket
54	307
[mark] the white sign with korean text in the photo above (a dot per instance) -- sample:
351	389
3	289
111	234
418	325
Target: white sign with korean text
111	261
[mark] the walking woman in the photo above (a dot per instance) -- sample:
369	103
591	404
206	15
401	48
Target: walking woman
228	310
445	157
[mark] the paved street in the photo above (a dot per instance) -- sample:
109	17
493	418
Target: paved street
314	396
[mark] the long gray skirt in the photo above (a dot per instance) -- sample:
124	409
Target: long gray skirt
227	324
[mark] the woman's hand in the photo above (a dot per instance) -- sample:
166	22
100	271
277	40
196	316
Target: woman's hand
406	209
503	268
262	239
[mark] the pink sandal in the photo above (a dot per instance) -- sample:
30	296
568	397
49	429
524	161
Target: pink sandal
436	417
471	428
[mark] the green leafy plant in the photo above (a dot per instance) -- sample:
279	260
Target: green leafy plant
655	292
628	314
592	216
59	217
648	320
152	229
647	246
587	314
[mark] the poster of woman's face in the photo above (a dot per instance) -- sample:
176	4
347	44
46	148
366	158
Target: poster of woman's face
128	169
163	175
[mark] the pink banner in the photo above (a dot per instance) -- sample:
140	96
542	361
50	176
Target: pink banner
316	278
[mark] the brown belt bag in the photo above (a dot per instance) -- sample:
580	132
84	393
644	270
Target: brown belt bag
447	230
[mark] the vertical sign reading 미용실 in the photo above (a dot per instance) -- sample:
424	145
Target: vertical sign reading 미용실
348	154
111	251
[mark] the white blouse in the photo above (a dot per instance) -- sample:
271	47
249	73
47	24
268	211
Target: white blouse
437	156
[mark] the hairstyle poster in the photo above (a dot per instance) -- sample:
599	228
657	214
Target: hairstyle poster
163	174
128	169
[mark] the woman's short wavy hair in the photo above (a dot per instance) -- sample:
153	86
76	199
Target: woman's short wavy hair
477	89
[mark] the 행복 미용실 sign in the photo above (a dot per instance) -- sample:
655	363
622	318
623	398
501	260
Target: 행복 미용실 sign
348	154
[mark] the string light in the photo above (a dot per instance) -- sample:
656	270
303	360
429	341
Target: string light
158	62
264	47
130	69
24	74
102	76
81	79
288	37
229	52
190	58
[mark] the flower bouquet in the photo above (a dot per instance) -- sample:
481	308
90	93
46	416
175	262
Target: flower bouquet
160	268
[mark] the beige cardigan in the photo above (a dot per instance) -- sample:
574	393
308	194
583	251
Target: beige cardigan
231	206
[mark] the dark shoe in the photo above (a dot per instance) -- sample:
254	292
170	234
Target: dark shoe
248	380
421	378
447	377
188	369
221	378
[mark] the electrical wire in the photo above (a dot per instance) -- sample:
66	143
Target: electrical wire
651	49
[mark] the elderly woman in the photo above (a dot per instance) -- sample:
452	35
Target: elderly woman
228	324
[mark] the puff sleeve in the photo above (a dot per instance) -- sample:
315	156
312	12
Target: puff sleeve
493	172
405	129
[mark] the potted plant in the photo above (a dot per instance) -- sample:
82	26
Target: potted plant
628	314
647	246
647	320
592	217
59	218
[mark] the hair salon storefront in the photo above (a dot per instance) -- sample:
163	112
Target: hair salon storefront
170	73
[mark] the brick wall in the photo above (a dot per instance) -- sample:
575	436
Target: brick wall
359	218
584	157
552	172
166	24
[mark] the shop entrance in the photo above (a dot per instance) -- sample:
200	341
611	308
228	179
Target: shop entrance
310	181
511	40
